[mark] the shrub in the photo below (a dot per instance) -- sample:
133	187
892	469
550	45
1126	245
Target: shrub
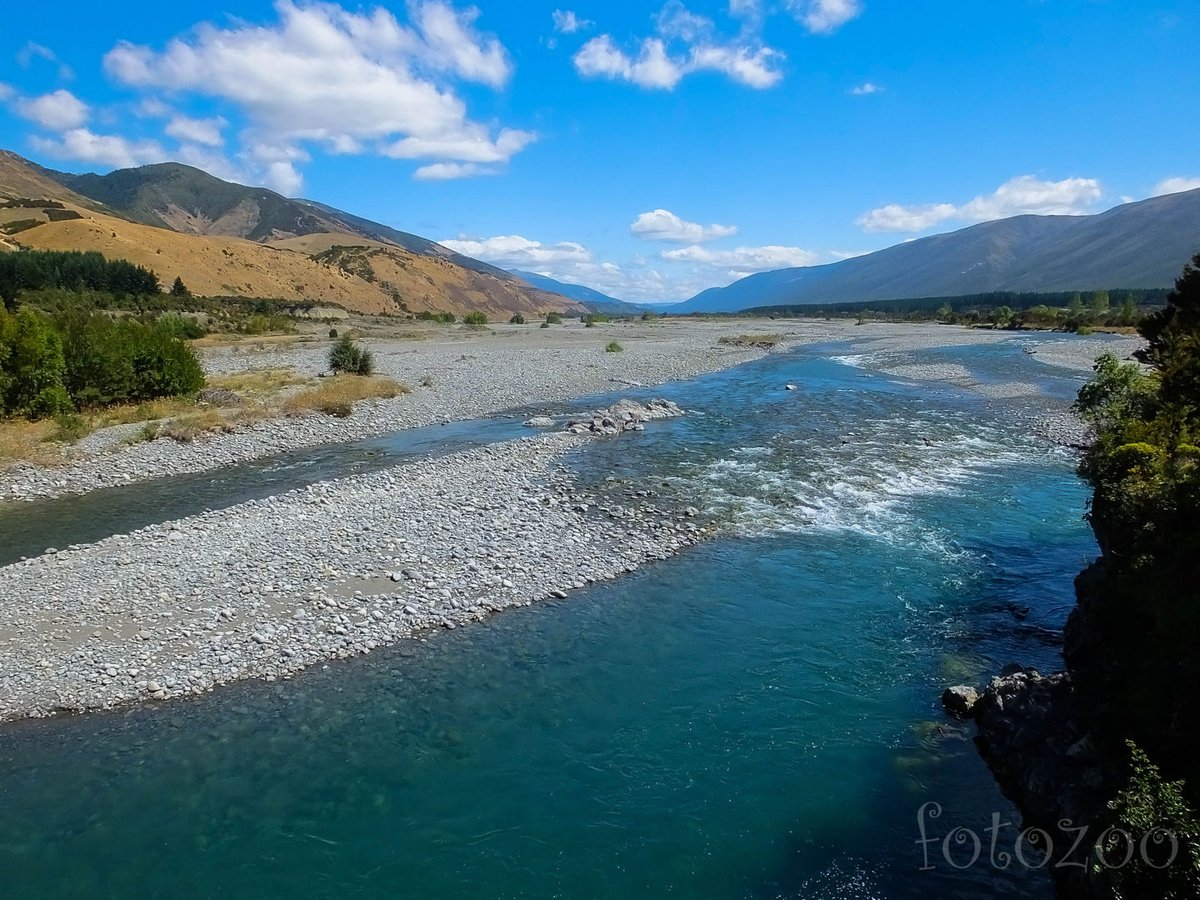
68	428
544	325
613	347
554	318
475	318
592	319
518	319
336	396
346	356
333	334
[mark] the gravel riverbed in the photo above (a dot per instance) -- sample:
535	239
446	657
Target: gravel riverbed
264	589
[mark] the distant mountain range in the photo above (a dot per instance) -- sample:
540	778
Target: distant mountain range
227	239
593	299
1137	245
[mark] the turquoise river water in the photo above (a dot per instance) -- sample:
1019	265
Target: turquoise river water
756	718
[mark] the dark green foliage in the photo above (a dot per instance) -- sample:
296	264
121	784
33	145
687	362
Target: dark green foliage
1151	807
447	318
475	317
31	366
517	319
553	318
346	356
593	319
36	270
333	333
1131	644
613	347
1059	311
179	289
51	366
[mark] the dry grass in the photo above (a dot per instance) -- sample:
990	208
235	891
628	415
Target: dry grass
258	382
186	429
22	441
336	396
758	341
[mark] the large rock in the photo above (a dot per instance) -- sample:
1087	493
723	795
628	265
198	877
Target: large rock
624	415
960	701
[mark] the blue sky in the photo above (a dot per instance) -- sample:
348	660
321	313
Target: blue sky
648	150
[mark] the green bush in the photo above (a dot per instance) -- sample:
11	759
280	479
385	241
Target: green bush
346	356
446	318
475	317
614	347
51	366
518	319
554	318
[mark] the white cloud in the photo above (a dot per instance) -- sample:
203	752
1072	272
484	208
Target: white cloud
7	91
447	171
197	131
655	67
350	82
1175	185
1023	195
32	52
675	20
652	68
664	225
102	149
519	252
866	88
567	22
745	260
684	43
472	145
57	111
824	16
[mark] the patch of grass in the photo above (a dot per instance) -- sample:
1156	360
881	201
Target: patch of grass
614	347
24	441
68	428
186	429
757	341
258	382
336	396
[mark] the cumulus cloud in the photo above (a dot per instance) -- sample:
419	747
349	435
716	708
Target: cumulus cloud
102	149
664	225
1175	185
350	82
197	131
567	22
866	88
745	260
1023	195
824	16
519	252
684	43
56	111
450	170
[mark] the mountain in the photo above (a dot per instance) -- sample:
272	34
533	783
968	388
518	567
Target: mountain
1136	245
592	299
226	239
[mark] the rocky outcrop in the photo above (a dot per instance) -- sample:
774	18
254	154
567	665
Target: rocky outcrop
624	415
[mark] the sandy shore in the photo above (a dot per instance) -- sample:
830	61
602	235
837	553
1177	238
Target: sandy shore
266	588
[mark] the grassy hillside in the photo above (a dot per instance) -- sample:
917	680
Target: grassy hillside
1137	245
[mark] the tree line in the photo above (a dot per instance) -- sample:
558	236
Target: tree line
36	270
75	356
1131	641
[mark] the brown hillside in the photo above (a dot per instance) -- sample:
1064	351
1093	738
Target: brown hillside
18	179
211	266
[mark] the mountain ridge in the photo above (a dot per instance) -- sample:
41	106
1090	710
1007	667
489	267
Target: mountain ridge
1135	245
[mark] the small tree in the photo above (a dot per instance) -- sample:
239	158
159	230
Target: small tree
179	289
518	319
475	318
554	318
346	356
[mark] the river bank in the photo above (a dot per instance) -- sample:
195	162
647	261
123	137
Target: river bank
266	588
467	374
